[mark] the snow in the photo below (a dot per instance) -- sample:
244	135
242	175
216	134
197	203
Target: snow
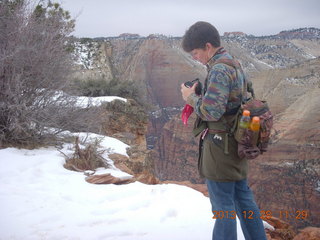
82	101
95	101
113	145
84	53
318	186
262	62
42	200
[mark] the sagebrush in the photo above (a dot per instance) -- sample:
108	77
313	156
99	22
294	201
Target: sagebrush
89	157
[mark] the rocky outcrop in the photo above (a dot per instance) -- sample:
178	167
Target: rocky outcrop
126	121
281	230
284	231
107	178
144	177
142	168
309	233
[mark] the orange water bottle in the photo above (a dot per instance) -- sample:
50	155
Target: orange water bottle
255	127
245	119
243	124
255	124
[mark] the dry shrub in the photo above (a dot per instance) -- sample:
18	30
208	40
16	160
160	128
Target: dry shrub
35	65
87	158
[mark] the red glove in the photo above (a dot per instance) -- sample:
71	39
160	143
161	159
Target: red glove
186	112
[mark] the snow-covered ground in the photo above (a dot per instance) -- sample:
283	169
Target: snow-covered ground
95	101
40	199
83	101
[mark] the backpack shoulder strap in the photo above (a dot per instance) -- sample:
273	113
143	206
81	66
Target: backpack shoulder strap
236	64
231	62
245	88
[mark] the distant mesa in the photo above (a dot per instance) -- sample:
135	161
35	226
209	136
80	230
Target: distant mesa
302	33
136	36
234	34
129	35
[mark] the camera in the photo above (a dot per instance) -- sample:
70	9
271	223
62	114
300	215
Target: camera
198	89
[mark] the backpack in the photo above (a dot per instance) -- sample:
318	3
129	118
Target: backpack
250	146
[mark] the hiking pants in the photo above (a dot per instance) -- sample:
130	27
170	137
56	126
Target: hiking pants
231	199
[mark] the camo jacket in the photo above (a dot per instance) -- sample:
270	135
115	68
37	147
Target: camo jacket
222	90
222	95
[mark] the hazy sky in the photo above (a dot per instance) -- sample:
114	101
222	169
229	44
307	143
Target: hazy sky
104	18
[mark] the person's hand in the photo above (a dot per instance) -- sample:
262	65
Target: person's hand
186	92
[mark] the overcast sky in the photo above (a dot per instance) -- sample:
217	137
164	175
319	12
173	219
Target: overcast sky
105	18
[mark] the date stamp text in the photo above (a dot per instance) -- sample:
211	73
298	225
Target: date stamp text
263	214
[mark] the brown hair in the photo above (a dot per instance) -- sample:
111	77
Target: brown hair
198	35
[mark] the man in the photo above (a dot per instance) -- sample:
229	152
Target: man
219	163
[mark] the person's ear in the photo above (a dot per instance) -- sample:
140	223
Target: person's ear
209	46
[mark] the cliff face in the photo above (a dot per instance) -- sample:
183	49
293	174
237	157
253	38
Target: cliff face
157	65
284	70
290	169
162	68
177	157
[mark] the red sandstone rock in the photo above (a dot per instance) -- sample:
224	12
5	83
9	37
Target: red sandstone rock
309	233
108	179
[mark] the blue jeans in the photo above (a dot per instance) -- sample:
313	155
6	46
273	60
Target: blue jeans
229	199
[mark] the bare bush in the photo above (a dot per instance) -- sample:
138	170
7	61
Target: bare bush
35	65
87	158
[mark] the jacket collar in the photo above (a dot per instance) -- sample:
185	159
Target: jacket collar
217	55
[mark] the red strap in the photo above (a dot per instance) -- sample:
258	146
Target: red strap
186	112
